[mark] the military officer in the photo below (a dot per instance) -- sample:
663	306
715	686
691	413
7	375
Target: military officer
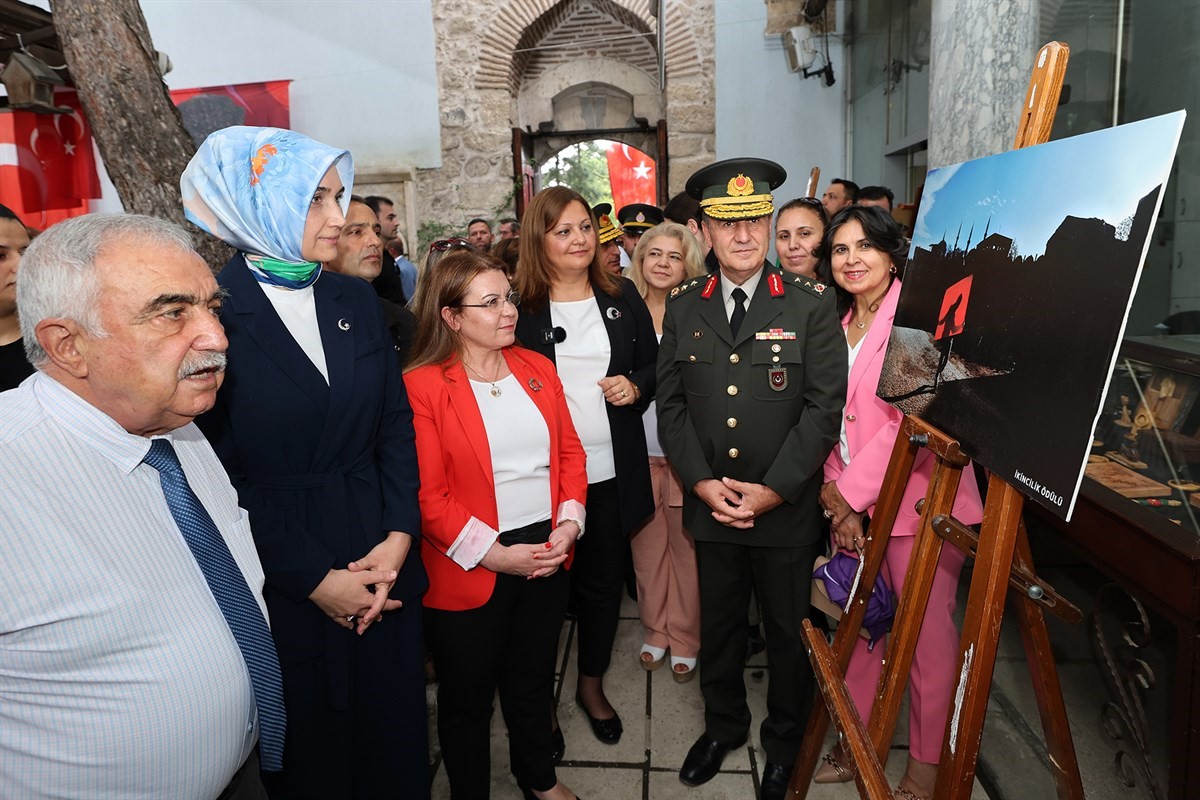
636	219
610	235
751	385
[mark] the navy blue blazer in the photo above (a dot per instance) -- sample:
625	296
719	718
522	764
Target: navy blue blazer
634	350
324	470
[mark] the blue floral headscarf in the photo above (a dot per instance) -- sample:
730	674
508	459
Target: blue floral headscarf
252	188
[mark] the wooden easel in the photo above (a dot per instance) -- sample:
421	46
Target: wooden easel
1003	564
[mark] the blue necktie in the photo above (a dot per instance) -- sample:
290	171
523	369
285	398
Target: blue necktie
237	604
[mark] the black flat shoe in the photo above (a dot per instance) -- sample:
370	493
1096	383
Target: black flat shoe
607	731
704	760
560	747
775	781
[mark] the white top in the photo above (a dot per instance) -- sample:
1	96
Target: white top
582	360
519	442
650	423
727	287
852	355
119	677
298	310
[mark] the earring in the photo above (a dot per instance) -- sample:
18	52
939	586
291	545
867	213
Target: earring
892	269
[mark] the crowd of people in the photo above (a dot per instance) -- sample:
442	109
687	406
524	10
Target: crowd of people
378	459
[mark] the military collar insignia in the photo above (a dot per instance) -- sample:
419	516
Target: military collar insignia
710	287
775	284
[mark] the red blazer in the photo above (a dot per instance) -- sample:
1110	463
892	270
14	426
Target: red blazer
457	485
871	429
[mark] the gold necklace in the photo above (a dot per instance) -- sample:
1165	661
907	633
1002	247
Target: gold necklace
873	306
495	392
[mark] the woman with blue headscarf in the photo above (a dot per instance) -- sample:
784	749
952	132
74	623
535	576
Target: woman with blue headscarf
314	428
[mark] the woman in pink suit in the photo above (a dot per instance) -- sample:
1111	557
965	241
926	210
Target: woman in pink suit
503	487
866	250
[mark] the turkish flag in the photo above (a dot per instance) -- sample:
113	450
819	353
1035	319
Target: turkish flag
631	175
47	163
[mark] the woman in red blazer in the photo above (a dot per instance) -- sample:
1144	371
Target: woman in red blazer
503	485
865	247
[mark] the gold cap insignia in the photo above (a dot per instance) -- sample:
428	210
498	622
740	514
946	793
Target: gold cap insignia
740	186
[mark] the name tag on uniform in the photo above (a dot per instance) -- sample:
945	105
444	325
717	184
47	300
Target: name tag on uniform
775	335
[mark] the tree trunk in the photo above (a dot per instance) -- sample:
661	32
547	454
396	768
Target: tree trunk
137	128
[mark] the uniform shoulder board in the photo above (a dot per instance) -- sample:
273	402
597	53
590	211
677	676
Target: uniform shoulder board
815	288
686	286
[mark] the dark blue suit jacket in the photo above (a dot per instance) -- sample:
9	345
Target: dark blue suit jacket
323	470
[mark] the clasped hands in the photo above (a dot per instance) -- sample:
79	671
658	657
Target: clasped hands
345	594
533	560
736	503
846	523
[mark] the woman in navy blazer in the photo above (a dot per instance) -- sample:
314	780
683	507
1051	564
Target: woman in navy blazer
314	428
568	299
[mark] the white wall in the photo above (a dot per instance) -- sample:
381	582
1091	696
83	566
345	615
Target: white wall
363	72
765	111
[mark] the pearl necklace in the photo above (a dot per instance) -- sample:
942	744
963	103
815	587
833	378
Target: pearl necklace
495	391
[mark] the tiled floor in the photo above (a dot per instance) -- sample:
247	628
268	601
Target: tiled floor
662	719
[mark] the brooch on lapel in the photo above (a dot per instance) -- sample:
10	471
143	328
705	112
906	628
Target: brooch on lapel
343	325
535	384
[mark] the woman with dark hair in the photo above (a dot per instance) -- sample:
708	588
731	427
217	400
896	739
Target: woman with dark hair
508	250
503	484
314	428
799	226
596	329
866	248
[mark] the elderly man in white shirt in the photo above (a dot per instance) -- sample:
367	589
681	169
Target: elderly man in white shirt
135	659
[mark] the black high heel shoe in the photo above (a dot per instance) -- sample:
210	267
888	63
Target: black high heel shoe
560	746
608	731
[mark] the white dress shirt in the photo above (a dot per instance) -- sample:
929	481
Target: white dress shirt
727	287
119	677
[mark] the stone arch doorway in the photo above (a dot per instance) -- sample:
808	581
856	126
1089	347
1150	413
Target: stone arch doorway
584	112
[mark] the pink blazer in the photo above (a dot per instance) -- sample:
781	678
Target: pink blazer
871	429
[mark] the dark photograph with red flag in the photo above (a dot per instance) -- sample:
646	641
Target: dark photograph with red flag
1019	281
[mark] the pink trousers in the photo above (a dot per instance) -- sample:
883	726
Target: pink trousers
664	561
931	679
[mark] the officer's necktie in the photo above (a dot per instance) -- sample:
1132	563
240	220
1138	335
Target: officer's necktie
237	604
739	310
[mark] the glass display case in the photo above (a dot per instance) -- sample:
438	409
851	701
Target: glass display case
1137	519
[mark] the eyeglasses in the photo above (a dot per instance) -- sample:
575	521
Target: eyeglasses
496	303
442	245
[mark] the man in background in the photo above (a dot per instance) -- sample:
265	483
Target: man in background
509	228
841	193
877	196
479	234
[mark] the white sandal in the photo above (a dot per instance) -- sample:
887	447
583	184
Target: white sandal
685	675
656	660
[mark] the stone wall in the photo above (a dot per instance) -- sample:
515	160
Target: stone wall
487	50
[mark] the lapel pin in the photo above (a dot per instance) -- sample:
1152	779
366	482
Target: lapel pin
343	325
697	334
535	384
613	312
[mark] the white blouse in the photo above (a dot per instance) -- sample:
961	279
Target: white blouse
519	442
582	360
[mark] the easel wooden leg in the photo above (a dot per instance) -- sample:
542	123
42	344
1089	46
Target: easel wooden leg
1046	686
980	640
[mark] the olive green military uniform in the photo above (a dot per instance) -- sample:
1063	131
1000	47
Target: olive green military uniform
763	407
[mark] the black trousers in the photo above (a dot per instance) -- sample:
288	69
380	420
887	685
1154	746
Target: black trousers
781	578
598	578
509	644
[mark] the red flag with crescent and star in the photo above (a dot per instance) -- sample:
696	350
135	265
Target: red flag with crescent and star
632	176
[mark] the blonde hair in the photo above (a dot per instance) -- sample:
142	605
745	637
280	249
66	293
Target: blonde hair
534	274
446	286
693	262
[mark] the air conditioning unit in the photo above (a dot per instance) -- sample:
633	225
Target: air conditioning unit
798	44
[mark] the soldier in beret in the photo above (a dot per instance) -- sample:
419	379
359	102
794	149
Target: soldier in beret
609	234
636	219
751	385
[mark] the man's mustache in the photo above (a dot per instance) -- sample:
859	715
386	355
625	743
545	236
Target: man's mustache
202	361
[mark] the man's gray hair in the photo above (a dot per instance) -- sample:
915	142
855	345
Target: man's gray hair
57	278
